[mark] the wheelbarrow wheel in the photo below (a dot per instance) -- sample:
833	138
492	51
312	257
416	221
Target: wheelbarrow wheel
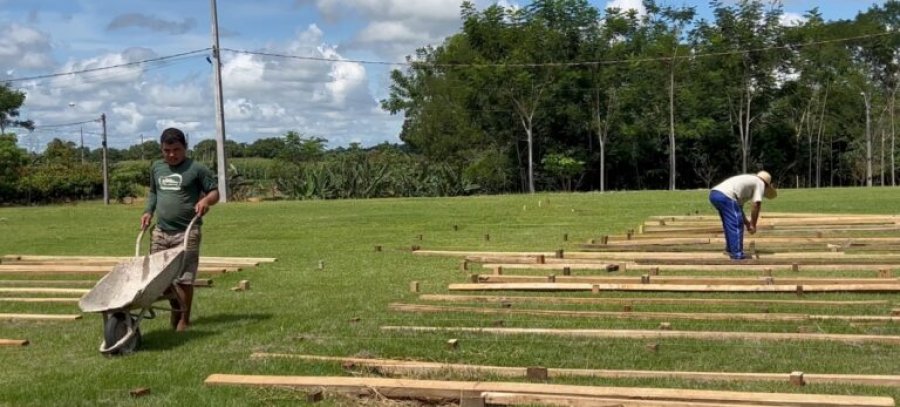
116	328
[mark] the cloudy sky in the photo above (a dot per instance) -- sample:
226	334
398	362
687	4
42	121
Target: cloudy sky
265	96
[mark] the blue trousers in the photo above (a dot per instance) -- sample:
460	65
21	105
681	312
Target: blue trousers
732	215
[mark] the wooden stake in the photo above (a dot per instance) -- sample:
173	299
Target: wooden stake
665	326
884	273
455	228
464	265
797	379
567	271
315	396
565	237
378	248
540	259
498	270
595	289
243	285
551	278
487	237
139	392
560	253
654	271
452	344
626	308
604	239
645	279
414	286
795	267
536	374
14	342
652	347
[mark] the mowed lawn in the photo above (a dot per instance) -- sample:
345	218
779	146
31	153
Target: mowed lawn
294	306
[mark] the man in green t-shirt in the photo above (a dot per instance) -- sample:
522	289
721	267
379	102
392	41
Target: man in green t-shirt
180	189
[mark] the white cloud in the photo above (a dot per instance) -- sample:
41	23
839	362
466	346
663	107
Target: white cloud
626	5
24	47
789	19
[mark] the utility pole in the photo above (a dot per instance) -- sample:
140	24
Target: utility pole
81	133
868	141
220	111
105	164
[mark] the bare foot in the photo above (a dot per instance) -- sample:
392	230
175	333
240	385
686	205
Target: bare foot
182	326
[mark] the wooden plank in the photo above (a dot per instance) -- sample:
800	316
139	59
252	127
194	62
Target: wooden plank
764	221
409	367
695	316
466	253
69	269
645	240
40	299
686	280
47	281
14	342
739	268
40	317
113	261
674	287
454	390
768	229
642	300
825	260
546	400
125	258
43	290
661	334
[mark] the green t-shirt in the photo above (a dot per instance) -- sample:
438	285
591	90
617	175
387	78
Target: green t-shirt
175	190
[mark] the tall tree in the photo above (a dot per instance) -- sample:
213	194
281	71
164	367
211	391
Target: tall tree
10	102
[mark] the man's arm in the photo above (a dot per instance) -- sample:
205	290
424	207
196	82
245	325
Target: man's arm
211	198
754	216
147	216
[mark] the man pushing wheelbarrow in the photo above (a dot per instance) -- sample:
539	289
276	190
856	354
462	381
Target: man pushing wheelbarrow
181	192
180	189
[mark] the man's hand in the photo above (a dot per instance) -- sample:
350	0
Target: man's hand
751	229
145	220
201	207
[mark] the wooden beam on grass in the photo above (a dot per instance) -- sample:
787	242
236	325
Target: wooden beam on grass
113	261
244	260
694	316
675	287
40	317
687	280
43	290
455	390
642	300
632	334
773	261
464	253
739	268
46	282
96	270
410	367
40	299
14	342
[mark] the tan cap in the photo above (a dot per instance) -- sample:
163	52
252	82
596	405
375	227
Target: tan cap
770	192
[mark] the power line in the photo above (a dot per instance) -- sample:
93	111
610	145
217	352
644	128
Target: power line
559	64
103	68
47	126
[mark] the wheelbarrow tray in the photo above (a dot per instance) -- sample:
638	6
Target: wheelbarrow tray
136	283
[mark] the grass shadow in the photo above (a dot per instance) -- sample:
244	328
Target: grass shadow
166	339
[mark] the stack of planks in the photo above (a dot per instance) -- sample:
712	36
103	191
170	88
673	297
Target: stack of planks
41	279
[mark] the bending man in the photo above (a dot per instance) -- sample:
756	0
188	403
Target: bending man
729	197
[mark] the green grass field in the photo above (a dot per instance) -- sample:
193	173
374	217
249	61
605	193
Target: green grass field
296	307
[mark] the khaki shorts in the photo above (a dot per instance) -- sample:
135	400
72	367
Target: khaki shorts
161	240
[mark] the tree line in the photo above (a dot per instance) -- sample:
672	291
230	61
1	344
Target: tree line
557	95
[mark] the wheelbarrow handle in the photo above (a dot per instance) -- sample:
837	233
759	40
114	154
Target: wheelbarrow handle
137	245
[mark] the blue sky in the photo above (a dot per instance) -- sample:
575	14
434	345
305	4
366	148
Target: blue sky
264	97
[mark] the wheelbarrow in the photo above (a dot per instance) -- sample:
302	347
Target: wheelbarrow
125	296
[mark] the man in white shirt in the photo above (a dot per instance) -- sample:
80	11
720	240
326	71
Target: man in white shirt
729	197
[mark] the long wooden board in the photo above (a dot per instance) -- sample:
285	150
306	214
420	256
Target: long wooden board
835	221
75	269
647	334
40	299
685	280
771	261
14	342
738	268
675	288
492	398
124	258
43	290
46	282
643	300
408	367
695	316
41	317
645	240
454	390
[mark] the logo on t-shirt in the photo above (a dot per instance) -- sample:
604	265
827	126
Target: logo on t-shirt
170	182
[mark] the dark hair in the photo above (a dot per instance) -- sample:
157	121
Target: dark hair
172	135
